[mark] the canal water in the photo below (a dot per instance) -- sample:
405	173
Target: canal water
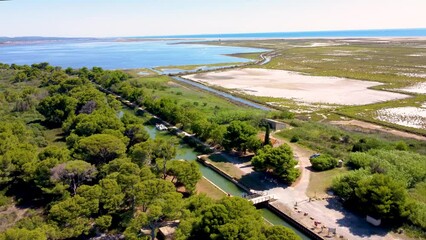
187	153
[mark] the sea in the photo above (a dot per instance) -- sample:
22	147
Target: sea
412	32
155	51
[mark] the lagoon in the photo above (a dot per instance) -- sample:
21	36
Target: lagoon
111	54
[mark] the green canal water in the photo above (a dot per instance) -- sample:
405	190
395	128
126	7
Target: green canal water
187	153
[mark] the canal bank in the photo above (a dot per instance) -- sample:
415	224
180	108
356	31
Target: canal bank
228	96
188	153
225	183
269	211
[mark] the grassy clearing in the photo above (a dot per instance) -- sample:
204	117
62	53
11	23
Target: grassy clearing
205	187
55	137
252	56
338	142
195	98
196	66
320	182
140	72
226	166
252	180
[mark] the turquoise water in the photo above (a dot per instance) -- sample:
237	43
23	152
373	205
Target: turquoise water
111	54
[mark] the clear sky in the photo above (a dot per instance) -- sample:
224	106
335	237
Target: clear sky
105	18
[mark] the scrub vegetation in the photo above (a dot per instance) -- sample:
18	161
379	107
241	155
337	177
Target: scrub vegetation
88	170
397	63
89	167
383	171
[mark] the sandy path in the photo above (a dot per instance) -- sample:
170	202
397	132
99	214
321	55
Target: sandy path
329	211
370	126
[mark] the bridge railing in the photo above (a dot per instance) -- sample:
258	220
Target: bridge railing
262	199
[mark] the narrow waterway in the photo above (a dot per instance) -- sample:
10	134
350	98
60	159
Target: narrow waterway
223	94
187	153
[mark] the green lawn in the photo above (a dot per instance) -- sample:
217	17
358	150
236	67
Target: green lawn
320	182
192	97
205	187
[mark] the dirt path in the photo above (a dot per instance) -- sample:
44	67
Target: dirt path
302	155
370	126
10	216
327	211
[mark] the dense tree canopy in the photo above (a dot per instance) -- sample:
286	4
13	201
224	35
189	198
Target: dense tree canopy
377	195
74	173
100	148
229	218
240	136
57	108
381	196
279	161
279	233
87	169
186	173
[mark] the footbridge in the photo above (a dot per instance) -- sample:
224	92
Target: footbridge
257	197
262	199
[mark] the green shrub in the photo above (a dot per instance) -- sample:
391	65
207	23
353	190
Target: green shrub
4	201
402	146
323	162
417	214
294	139
363	145
359	160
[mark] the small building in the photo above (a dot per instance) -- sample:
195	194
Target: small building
373	221
166	233
275	125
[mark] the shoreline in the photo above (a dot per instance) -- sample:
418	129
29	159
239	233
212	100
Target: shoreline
12	41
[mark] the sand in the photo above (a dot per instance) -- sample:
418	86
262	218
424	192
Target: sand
296	86
414	117
417	88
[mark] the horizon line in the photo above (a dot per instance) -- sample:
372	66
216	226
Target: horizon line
223	34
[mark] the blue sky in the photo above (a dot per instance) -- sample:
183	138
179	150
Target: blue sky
105	18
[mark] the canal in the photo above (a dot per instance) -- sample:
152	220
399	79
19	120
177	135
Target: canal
223	94
187	153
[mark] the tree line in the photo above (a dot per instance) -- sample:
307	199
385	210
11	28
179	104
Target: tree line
105	176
